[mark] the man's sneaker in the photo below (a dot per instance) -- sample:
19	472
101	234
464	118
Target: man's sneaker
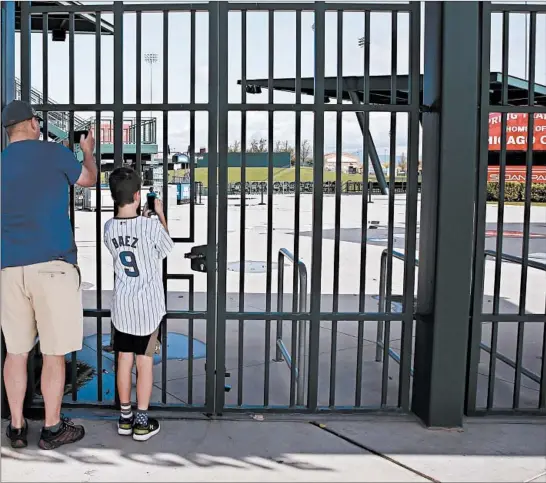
144	433
67	433
125	426
18	437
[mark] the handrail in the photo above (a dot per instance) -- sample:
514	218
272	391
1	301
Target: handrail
301	358
382	295
514	259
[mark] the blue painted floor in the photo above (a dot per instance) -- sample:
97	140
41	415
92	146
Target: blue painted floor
177	349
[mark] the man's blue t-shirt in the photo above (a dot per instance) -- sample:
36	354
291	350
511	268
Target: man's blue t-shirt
36	176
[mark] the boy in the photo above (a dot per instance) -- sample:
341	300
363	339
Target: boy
137	244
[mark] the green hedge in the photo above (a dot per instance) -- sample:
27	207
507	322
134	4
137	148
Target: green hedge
516	192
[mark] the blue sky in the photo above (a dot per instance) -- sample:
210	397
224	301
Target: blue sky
257	65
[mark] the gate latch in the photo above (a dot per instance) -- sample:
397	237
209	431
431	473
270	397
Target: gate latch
198	258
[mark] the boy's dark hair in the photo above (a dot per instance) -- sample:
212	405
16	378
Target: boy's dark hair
124	183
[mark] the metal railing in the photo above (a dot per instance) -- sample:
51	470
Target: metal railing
501	357
59	119
382	308
282	350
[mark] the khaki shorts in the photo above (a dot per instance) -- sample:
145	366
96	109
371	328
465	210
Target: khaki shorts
44	299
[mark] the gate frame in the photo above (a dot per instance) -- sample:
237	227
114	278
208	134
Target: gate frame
118	9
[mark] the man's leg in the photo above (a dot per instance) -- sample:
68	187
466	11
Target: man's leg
55	289
53	379
15	381
19	328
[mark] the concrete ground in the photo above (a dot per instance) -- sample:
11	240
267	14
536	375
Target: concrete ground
349	449
254	363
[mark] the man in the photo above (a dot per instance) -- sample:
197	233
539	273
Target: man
41	283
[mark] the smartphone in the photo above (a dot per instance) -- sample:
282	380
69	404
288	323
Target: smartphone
78	135
150	199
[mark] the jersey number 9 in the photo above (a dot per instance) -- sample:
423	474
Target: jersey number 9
128	260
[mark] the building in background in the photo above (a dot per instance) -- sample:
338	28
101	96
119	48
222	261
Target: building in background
350	163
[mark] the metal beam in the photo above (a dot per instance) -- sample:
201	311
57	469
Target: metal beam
374	158
452	86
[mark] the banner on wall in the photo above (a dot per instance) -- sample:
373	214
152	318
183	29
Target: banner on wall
516	132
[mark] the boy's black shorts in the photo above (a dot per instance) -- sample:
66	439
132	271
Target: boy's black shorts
141	345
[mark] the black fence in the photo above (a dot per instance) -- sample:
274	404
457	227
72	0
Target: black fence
229	335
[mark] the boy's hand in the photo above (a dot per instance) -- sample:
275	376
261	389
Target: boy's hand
146	211
158	205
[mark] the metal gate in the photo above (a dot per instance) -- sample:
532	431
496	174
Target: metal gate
500	329
310	337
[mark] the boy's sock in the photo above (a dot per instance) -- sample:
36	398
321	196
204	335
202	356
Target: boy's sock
126	411
142	417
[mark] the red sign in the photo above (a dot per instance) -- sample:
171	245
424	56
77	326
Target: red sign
516	132
517	174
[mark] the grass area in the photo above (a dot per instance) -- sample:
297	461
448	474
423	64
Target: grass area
279	174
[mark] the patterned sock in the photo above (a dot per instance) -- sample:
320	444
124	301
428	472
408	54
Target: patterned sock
126	411
142	418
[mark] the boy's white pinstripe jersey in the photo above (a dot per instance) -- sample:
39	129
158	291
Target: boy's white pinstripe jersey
137	246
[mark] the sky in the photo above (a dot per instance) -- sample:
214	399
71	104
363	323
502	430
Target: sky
257	67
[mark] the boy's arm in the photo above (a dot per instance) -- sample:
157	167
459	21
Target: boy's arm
163	242
161	214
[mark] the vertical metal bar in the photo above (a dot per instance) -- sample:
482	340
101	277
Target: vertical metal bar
98	201
165	195
280	301
297	205
337	223
25	52
222	116
71	91
392	179
318	202
139	93
527	210
500	212
210	395
191	289
45	73
411	209
118	84
191	322
242	228
192	127
269	275
542	388
302	333
364	223
476	308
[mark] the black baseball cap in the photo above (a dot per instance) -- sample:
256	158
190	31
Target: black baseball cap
16	112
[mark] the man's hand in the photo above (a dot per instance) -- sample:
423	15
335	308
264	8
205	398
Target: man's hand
87	143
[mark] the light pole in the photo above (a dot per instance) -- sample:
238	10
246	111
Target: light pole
151	58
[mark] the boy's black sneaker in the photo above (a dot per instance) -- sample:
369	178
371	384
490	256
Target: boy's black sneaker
67	433
125	425
18	437
144	433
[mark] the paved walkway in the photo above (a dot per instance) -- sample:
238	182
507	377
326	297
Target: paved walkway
279	449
